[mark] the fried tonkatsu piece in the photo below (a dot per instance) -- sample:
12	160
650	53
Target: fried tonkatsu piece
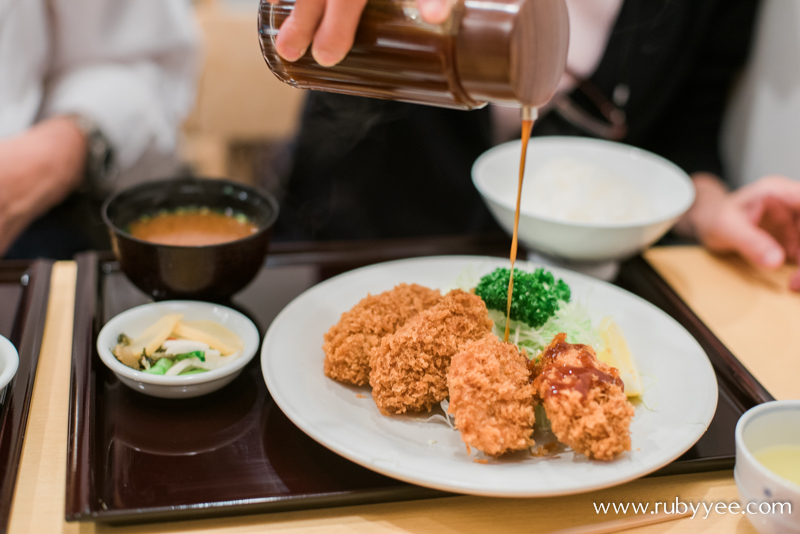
350	342
491	396
409	371
584	400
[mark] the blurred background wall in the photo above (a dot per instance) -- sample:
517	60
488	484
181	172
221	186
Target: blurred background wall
244	116
762	131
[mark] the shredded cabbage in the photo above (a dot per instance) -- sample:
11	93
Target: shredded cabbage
466	280
571	318
446	417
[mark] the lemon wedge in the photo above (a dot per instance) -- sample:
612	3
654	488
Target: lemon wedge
615	353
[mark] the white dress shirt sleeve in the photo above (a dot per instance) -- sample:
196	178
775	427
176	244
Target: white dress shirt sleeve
128	65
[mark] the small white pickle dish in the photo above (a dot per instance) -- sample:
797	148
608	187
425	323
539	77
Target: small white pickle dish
763	491
134	321
9	362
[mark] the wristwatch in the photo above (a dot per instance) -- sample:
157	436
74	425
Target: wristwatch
100	169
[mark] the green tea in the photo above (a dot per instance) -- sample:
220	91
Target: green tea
783	460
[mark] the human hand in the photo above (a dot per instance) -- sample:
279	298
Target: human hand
38	169
331	26
760	221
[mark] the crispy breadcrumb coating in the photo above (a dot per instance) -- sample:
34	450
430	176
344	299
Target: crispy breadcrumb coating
350	342
491	396
584	400
409	372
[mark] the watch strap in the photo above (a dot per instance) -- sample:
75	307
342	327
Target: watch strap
100	157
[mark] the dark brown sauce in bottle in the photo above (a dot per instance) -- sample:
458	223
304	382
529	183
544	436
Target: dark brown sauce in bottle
394	56
501	51
528	117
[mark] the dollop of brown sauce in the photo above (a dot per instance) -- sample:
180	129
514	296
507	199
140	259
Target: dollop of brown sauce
559	376
192	228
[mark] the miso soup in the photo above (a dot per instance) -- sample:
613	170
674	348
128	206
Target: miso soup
192	227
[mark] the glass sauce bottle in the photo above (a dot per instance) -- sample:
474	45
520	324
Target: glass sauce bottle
510	52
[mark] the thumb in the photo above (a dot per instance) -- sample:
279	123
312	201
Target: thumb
435	11
754	243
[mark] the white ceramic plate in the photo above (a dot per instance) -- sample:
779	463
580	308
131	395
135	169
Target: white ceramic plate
9	361
675	410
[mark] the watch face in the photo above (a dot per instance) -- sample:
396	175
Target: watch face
99	152
99	161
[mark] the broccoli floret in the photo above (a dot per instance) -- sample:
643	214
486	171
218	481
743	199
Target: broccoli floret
535	299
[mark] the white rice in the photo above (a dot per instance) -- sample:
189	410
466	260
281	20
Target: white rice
570	190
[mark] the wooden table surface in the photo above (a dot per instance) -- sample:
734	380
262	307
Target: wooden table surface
751	311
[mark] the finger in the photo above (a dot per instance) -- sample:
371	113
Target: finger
9	231
334	39
791	237
752	242
297	31
5	243
779	220
792	242
796	225
775	186
794	281
435	11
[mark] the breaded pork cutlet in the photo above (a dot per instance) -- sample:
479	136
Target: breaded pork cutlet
491	396
409	372
584	399
350	342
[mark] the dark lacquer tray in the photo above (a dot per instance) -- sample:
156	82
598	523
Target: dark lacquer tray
137	458
24	290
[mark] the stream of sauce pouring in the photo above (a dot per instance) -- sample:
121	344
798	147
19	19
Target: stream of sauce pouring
528	116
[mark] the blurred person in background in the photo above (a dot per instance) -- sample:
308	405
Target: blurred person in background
654	74
91	92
